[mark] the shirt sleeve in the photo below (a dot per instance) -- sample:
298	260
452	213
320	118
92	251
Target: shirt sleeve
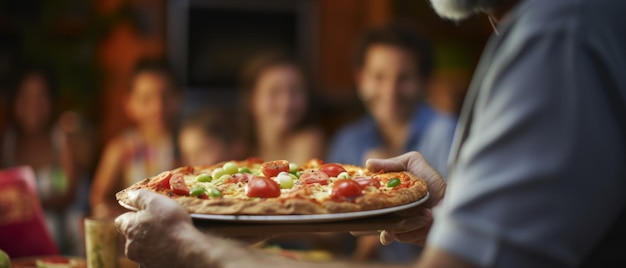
539	178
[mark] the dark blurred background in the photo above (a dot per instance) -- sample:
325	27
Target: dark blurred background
92	46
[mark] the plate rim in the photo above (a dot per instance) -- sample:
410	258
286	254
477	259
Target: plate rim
305	218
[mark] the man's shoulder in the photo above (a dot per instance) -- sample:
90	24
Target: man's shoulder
531	19
537	17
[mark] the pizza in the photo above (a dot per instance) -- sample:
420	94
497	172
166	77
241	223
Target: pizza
257	187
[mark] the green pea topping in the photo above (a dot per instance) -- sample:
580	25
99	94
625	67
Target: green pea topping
393	182
293	176
244	170
204	178
197	191
230	167
214	192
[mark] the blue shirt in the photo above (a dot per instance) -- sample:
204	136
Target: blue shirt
430	133
539	163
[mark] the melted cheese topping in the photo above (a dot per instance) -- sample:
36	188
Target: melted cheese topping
318	192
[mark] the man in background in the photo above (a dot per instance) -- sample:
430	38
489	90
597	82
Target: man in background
393	66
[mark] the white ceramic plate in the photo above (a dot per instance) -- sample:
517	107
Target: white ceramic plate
305	218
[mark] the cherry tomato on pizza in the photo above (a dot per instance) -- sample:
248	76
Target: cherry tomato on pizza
273	168
332	169
345	189
163	179
262	187
311	176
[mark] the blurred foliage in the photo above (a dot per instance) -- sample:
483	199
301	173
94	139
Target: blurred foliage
454	55
63	35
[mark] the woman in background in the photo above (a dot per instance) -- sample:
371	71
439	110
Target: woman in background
34	139
276	105
278	121
145	149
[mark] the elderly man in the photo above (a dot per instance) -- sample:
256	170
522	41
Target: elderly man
537	176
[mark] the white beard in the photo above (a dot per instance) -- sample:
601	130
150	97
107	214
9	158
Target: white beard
461	9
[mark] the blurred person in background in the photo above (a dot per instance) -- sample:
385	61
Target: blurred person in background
149	146
278	121
209	136
79	130
35	139
277	107
393	65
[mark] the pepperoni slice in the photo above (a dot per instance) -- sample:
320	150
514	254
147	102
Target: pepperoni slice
178	185
311	176
367	181
332	169
239	177
163	179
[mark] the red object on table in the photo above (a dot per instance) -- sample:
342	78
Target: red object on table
23	230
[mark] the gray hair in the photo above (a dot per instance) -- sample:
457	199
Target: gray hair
461	9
